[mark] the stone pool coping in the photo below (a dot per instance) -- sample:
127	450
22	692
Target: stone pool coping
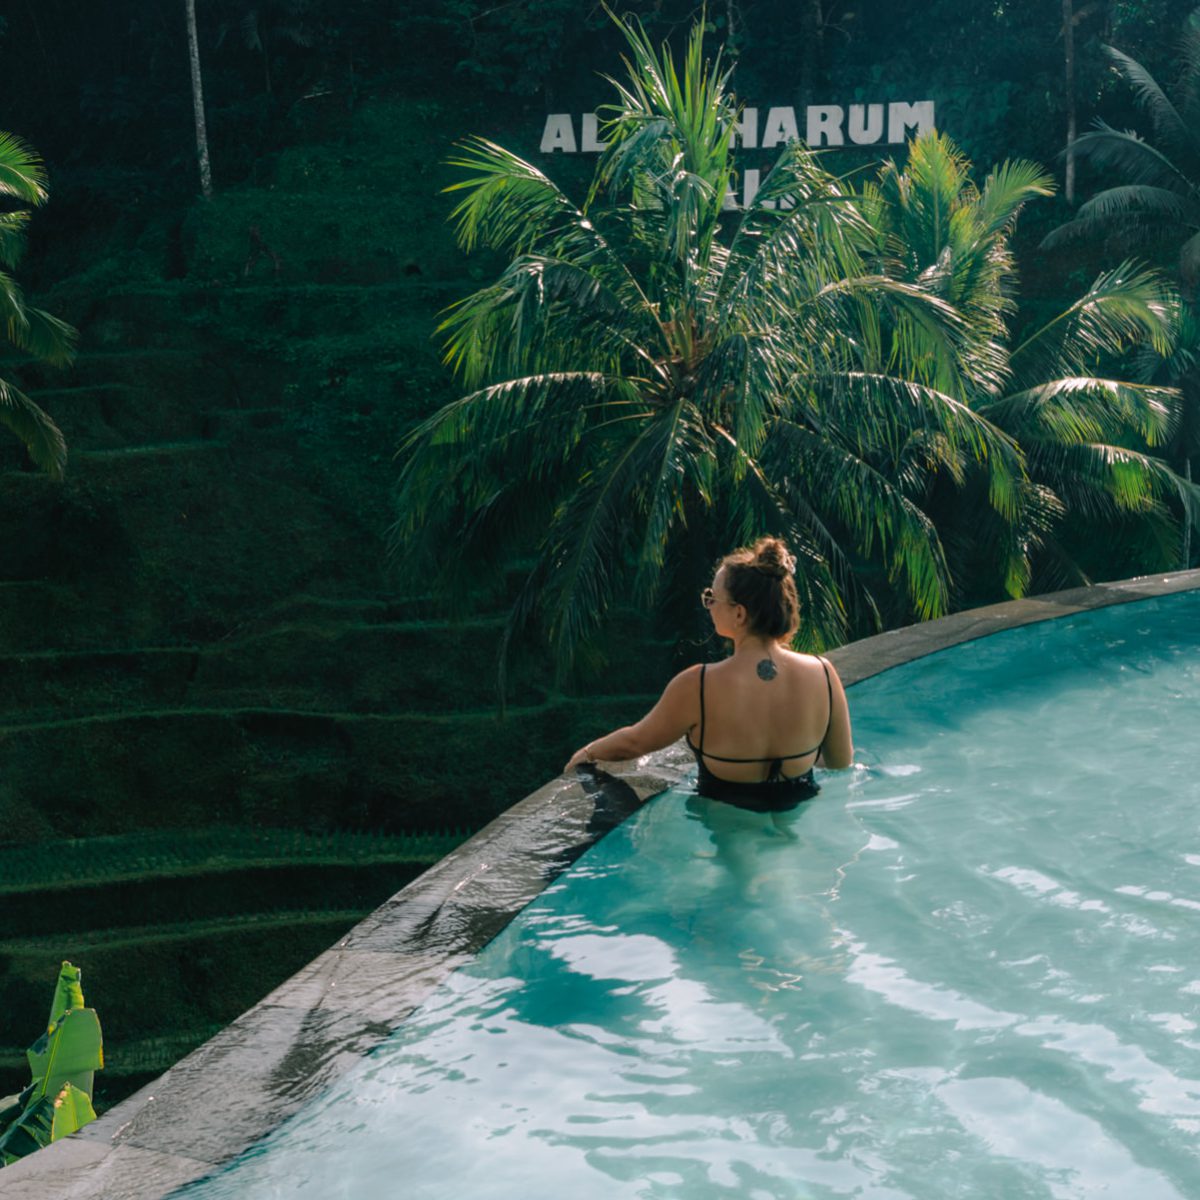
230	1092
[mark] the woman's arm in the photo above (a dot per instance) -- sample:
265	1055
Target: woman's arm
838	748
675	713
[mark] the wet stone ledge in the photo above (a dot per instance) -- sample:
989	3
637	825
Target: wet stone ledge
287	1049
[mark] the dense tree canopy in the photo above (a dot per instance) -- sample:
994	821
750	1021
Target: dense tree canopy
646	368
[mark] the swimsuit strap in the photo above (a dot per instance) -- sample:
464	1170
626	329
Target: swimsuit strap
703	668
829	689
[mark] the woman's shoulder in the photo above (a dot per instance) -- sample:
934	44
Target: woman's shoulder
808	662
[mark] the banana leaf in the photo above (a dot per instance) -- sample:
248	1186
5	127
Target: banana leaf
69	1052
29	1132
62	1062
68	993
72	1110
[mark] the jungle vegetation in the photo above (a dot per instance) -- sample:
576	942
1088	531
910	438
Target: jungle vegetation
651	378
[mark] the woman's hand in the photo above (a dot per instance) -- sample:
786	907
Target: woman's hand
582	755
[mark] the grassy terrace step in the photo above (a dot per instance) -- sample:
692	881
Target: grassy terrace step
62	918
87	943
152	1055
399	772
382	667
188	447
154	986
80	862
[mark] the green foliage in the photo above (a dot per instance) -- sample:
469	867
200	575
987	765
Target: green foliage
638	370
62	1062
1084	432
1154	207
28	329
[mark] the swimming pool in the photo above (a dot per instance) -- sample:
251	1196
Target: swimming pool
971	967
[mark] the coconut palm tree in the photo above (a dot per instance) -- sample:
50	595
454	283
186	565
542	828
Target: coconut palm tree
1155	210
29	329
1084	429
653	377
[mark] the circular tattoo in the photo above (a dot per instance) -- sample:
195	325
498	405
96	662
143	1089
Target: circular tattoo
767	669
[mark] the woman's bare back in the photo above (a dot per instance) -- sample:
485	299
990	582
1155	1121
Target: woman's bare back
783	717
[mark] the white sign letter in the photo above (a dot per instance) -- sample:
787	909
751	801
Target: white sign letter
753	181
866	123
825	125
901	116
745	129
590	143
559	134
780	128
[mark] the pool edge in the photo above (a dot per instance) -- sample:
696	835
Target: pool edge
313	1027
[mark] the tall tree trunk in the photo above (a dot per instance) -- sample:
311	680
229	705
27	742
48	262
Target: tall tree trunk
811	24
198	102
1187	520
1069	53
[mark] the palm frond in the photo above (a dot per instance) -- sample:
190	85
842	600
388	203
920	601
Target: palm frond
41	437
43	335
1127	154
680	467
12	237
883	520
1007	188
22	175
1169	127
892	408
1140	201
541	417
587	542
668	138
1084	409
1132	481
512	205
1123	308
542	314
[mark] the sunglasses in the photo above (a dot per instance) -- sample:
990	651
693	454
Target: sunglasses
708	598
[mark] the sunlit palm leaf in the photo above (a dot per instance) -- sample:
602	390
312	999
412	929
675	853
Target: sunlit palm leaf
1126	306
22	175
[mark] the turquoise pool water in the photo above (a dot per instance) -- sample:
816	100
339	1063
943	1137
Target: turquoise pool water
969	968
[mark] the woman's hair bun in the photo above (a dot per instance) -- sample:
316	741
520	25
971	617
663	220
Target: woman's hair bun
771	557
759	577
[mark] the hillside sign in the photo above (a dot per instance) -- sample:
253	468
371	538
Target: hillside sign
824	125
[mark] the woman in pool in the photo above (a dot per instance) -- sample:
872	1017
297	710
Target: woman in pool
759	721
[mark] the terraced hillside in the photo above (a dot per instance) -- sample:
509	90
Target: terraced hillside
178	933
200	627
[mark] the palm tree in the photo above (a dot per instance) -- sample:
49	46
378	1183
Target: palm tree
653	377
1155	209
1084	431
23	182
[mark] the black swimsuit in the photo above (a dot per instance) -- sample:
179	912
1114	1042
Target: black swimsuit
778	792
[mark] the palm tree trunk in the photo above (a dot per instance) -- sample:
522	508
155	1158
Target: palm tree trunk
1069	52
198	102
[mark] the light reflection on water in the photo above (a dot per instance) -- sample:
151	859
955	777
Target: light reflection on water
968	969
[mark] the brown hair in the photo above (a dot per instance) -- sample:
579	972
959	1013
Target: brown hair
759	577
